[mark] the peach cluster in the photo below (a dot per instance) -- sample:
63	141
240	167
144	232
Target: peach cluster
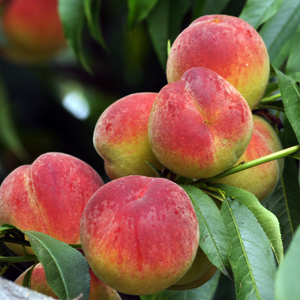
140	233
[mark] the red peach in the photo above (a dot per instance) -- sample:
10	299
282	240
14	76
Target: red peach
33	30
121	137
48	196
262	179
200	125
227	45
38	283
139	234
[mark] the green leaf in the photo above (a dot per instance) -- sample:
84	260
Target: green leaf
291	100
252	259
92	13
27	278
139	10
293	62
214	6
12	230
198	7
267	220
8	132
284	201
178	10
204	292
281	27
157	23
288	274
214	236
66	269
271	88
257	12
72	15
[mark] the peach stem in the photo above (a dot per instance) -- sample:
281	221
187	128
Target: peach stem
291	151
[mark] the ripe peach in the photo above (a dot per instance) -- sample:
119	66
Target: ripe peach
200	125
139	234
98	290
262	179
227	45
33	30
121	137
48	196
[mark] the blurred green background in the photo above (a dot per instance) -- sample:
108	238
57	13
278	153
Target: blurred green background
55	106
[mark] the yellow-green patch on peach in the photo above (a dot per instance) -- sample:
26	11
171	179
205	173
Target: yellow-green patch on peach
121	137
262	179
139	234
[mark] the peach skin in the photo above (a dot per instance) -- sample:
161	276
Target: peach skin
48	196
227	45
262	179
33	30
121	137
139	234
200	125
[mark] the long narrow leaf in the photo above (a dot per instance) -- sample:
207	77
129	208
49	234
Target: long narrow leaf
139	10
256	12
157	22
72	16
267	220
287	278
252	259
293	62
214	236
291	100
92	13
66	270
285	203
281	27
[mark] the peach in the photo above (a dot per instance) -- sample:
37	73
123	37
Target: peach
262	179
33	30
227	45
48	196
121	137
200	125
139	234
38	283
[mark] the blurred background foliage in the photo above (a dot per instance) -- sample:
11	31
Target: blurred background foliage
117	48
54	106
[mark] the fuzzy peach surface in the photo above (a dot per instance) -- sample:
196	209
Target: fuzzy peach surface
121	137
200	125
227	45
262	179
139	234
49	195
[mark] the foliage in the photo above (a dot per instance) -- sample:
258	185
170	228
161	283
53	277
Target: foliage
255	246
